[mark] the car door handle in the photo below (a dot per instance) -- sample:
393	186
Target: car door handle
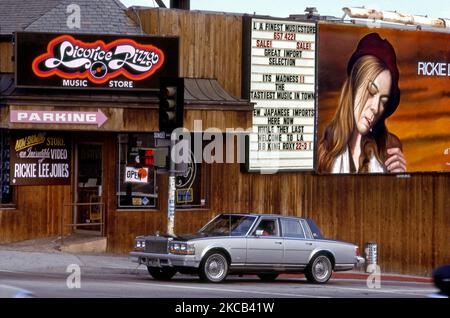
308	243
278	242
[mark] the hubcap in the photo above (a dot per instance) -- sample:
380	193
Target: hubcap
321	268
216	267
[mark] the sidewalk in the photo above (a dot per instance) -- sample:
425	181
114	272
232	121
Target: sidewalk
57	262
42	255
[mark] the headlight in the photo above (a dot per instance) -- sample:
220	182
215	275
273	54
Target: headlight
182	248
140	244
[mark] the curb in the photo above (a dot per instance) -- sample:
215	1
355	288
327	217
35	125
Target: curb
84	270
364	276
385	277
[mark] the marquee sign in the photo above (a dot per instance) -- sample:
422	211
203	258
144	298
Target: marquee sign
82	61
280	79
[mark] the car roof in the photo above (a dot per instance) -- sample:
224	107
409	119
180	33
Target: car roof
266	215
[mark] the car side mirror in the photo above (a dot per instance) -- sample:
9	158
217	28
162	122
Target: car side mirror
259	232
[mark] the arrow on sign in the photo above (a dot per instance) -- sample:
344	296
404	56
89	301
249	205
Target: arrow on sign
57	117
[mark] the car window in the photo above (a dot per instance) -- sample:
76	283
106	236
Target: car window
314	229
292	228
268	227
307	231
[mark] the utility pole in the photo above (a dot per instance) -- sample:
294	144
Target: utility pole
171	112
171	190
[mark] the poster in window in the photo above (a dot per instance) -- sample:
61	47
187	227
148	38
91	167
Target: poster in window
40	158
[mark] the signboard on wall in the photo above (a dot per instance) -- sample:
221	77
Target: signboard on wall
136	175
80	61
401	124
40	158
280	79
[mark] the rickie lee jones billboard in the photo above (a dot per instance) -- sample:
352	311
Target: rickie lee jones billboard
383	100
94	61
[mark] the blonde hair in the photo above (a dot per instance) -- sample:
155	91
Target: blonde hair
338	132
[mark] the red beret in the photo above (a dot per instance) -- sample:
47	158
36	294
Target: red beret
372	44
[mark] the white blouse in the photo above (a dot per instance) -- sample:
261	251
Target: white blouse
342	164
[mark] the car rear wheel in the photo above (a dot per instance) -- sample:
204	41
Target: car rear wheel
214	268
165	273
268	277
319	270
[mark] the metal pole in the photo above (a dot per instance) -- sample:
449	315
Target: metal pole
171	192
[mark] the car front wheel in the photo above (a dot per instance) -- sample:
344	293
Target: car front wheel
165	273
319	270
214	268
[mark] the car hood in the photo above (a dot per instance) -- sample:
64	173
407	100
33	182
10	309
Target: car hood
182	237
188	237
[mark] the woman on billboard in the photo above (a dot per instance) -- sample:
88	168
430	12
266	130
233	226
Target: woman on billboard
357	140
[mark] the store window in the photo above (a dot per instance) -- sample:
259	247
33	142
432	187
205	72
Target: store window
139	154
6	193
192	186
137	176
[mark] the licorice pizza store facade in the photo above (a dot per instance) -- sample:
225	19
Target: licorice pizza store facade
81	147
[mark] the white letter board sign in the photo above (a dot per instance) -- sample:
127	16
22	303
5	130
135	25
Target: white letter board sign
282	78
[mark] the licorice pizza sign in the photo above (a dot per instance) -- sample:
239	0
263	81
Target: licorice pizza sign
93	61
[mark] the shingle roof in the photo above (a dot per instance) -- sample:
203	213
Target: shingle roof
207	91
15	15
97	16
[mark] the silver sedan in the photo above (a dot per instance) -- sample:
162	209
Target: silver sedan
261	244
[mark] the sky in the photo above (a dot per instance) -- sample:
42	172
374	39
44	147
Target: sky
283	8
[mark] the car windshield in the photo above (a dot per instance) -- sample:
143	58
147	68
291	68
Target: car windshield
229	225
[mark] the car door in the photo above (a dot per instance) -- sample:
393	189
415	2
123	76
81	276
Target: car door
298	243
267	248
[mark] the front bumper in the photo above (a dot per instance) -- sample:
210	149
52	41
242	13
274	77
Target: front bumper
164	260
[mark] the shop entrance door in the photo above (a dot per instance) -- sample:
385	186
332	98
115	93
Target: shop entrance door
88	207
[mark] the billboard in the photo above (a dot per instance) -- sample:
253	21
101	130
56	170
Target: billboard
80	61
383	100
279	77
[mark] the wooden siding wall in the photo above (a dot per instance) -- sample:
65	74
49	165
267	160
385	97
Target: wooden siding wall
6	53
37	213
210	44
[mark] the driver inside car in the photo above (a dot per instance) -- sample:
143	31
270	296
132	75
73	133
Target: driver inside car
268	228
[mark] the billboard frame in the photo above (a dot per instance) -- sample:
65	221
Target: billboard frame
246	84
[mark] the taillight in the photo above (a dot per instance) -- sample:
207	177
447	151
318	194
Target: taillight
357	251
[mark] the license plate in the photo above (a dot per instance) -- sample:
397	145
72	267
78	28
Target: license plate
154	262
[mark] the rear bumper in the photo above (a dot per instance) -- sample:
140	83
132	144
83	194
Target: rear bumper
360	261
164	260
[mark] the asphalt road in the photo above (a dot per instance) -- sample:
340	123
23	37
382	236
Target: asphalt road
142	286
